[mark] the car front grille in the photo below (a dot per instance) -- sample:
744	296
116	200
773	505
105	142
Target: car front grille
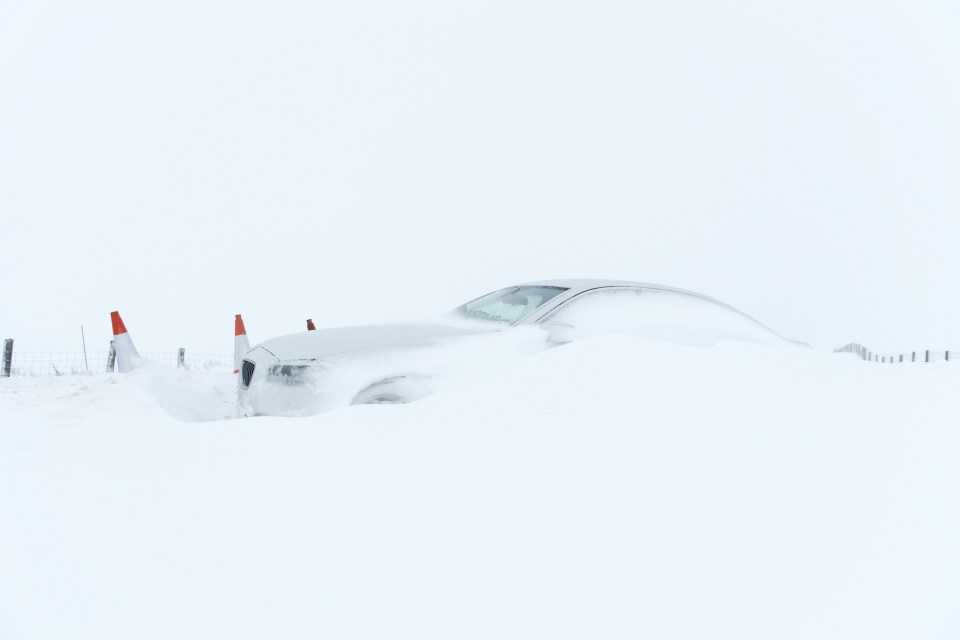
246	373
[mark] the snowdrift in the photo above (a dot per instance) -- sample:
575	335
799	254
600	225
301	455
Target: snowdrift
611	488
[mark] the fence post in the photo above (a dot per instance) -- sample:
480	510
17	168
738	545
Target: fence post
111	358
901	357
947	354
86	363
913	356
927	356
180	353
7	358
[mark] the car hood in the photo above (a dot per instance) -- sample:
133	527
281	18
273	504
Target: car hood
310	345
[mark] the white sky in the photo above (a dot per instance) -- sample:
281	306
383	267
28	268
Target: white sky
356	162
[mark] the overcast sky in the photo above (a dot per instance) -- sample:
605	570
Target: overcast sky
356	162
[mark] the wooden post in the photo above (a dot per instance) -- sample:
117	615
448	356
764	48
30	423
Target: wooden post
180	355
83	338
7	358
913	356
928	356
111	358
901	357
947	354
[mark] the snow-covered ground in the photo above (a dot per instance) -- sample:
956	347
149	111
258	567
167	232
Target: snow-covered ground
614	487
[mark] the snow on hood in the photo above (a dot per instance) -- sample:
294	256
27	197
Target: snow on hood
326	342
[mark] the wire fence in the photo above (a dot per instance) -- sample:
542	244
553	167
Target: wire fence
27	363
925	355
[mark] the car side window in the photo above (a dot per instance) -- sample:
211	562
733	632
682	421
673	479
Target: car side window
658	314
606	310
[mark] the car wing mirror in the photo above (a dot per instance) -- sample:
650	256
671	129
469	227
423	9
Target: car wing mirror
559	332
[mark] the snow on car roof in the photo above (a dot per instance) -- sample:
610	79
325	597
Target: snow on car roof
594	283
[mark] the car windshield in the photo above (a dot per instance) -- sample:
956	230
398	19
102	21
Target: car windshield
509	306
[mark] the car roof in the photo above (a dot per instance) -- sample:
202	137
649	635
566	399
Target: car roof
579	285
596	283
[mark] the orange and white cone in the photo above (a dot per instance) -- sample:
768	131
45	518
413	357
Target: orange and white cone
310	325
127	357
240	343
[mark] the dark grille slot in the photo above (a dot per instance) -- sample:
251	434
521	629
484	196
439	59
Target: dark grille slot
246	373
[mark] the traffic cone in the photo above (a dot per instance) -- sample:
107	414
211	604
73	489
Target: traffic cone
127	357
310	325
240	343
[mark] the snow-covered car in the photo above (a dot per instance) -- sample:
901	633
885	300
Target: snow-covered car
313	371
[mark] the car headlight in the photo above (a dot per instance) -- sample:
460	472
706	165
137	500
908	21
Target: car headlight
292	374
